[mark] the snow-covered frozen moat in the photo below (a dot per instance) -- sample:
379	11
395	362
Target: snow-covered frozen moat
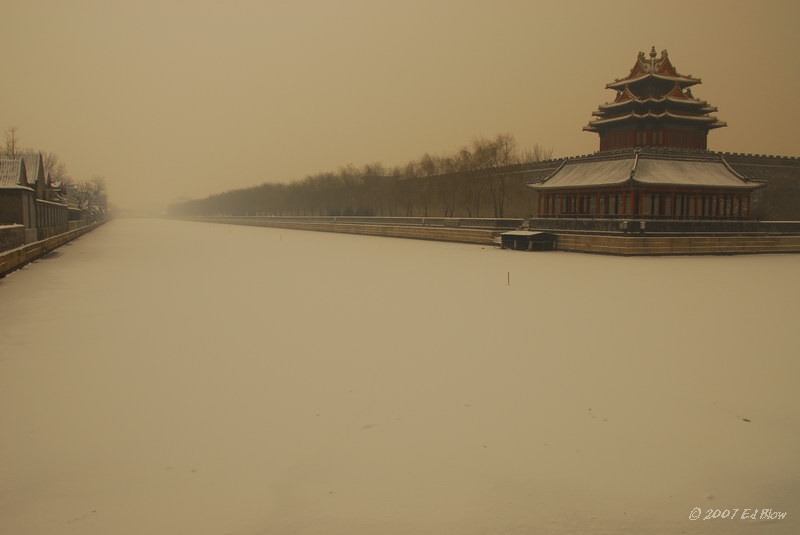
162	377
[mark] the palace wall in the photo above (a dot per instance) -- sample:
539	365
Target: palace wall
780	199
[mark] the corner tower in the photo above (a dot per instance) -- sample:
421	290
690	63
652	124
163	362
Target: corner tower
654	106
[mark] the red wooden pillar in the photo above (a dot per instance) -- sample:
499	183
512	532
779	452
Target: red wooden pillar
672	206
596	204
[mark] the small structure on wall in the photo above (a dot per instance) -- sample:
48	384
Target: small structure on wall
26	198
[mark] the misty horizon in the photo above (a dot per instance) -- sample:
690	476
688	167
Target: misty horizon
170	101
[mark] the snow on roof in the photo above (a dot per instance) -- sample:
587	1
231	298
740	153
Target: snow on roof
524	233
654	100
646	169
12	173
683	80
689	173
650	115
660	68
589	173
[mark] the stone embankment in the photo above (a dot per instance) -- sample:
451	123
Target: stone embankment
16	258
476	231
677	245
669	238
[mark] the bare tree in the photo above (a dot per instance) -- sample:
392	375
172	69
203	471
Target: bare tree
12	141
446	189
56	169
92	198
501	152
428	165
537	153
506	150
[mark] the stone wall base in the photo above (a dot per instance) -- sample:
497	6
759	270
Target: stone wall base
16	258
574	242
677	245
461	235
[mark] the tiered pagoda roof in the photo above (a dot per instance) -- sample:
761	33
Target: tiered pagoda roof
654	97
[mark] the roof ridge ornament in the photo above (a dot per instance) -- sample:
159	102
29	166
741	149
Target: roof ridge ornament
654	96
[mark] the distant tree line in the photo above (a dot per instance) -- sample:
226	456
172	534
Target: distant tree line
464	183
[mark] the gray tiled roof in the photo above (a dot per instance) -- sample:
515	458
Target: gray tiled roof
12	174
34	164
654	169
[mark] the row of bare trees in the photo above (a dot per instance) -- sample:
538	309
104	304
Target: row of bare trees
91	197
474	181
53	166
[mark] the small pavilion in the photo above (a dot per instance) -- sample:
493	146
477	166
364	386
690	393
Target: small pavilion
652	162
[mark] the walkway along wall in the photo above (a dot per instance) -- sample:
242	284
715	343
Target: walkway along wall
16	258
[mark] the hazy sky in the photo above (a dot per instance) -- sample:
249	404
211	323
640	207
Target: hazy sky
187	98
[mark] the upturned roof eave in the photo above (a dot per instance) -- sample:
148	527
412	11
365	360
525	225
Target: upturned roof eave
712	122
16	187
685	81
687	101
541	186
744	185
643	183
